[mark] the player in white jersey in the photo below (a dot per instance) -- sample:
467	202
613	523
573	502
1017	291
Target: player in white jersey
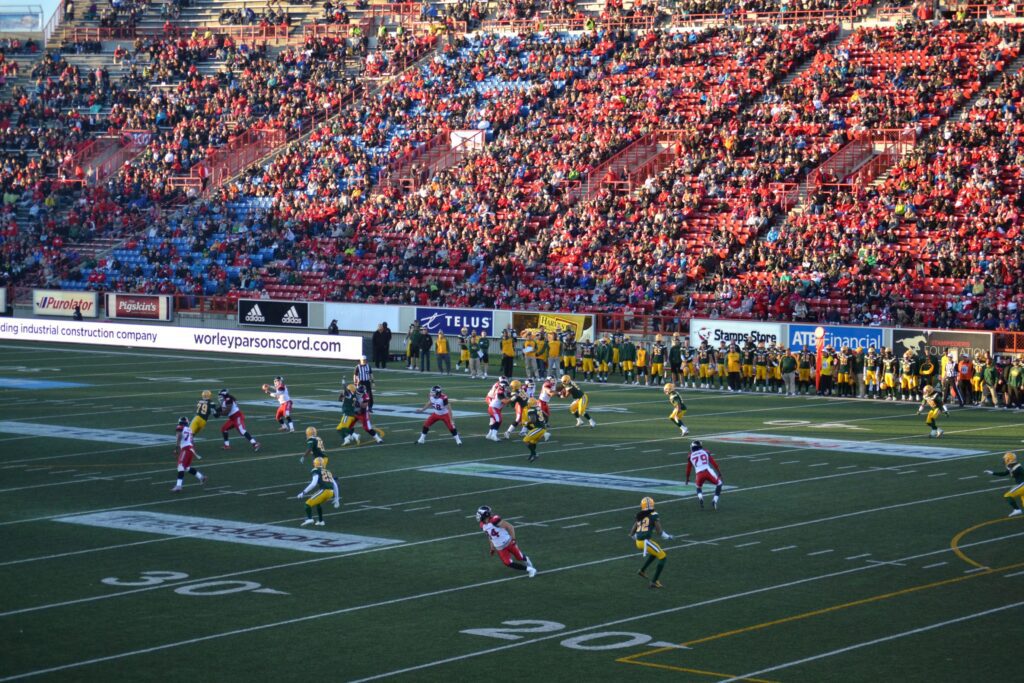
502	537
707	470
497	398
236	420
284	408
185	450
547	392
437	402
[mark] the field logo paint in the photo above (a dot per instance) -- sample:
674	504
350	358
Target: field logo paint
378	409
228	531
18	383
862	447
584	479
51	431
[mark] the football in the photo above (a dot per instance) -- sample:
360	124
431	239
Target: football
266	387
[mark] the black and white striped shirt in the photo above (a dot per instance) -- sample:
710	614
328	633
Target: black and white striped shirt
364	373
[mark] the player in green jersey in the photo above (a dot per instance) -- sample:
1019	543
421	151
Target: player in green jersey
648	524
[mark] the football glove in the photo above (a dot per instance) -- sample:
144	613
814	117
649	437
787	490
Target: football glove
337	504
667	536
301	494
988	471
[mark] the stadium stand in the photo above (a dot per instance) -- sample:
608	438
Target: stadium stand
780	167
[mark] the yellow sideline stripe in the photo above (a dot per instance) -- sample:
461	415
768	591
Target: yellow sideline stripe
954	545
825	610
682	669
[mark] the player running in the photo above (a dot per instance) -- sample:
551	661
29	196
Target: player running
326	488
284	409
438	403
185	451
204	409
646	525
236	420
536	428
314	445
933	401
547	392
519	399
502	538
707	470
675	399
1012	468
579	404
497	398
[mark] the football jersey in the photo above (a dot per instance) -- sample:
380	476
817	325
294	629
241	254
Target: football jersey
203	409
186	436
316	445
500	538
496	400
439	404
281	394
702	461
546	391
228	405
645	523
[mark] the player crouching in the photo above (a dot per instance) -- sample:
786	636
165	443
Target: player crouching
185	450
933	401
438	403
580	401
1012	468
502	537
707	470
646	525
326	488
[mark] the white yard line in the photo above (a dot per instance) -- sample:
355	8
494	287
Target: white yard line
576	526
973	476
271	493
847	467
820	552
869	643
744	545
857	557
785	547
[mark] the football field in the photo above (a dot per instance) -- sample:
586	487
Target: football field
849	546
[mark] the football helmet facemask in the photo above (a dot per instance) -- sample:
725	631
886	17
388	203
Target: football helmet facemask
483	512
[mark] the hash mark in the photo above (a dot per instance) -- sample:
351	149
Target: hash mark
272	493
933	566
976	569
820	552
857	557
759	460
611	528
938	474
973	476
819	464
847	467
906	472
357	502
576	526
789	462
785	547
1007	576
128	481
425	507
744	545
446	512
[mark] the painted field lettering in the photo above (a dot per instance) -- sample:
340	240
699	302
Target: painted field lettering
522	626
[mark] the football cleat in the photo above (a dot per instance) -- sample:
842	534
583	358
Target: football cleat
642	573
376	437
714	503
579	421
646	503
307	522
203	479
934	433
656	584
176	489
321	523
592	423
256	446
458	440
547	436
483	512
226	447
531	572
422	439
1013	513
938	433
683	431
533	457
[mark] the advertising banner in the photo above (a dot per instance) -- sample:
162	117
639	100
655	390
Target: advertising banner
452	320
938	342
27	19
3	300
283	345
139	306
837	336
581	325
362	317
730	331
59	302
269	313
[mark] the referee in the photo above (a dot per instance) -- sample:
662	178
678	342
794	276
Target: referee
363	377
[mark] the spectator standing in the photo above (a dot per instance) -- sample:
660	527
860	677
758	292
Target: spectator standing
333	328
385	344
508	352
425	344
380	349
412	346
530	354
76	313
444	363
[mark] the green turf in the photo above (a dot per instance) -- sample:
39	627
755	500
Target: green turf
820	565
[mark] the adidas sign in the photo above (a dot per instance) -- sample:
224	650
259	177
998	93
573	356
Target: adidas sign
291	317
255	315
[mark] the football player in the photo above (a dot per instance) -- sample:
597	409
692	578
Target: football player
1012	468
642	532
236	420
185	451
463	351
284	400
497	398
658	353
675	399
547	391
587	359
933	401
519	399
346	426
536	428
204	409
363	405
502	539
326	488
437	402
314	445
707	470
569	351
579	404
760	382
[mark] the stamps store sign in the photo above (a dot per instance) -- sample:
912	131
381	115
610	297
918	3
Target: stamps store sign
734	331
